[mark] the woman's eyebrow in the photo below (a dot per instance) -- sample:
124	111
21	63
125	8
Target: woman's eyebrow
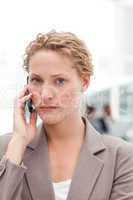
35	75
54	75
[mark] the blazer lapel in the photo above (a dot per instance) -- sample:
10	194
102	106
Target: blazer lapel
88	167
87	171
38	174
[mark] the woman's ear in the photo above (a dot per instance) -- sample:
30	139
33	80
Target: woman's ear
85	83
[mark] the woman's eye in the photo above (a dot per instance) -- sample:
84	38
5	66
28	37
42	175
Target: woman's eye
60	81
34	80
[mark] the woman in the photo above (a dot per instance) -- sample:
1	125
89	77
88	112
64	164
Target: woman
64	157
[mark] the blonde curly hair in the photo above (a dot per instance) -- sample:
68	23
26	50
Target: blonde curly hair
65	43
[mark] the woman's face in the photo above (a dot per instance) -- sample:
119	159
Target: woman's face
54	83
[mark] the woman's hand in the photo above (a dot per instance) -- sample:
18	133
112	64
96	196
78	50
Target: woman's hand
23	131
21	128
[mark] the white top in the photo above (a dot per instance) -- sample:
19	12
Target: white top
61	189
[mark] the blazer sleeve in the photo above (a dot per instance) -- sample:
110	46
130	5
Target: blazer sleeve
122	188
11	176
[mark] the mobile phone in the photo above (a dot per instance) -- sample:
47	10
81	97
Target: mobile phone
29	103
30	106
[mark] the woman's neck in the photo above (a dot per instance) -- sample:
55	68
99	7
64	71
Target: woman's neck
69	131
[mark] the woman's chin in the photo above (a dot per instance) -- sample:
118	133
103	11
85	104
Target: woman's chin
48	118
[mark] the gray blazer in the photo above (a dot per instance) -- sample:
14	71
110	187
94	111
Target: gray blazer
104	170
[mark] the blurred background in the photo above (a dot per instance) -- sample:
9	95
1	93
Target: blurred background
105	26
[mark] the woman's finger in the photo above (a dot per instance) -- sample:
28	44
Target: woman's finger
23	92
25	98
33	118
20	103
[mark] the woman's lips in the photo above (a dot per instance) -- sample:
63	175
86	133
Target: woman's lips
47	108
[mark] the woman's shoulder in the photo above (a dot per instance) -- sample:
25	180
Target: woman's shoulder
117	145
4	140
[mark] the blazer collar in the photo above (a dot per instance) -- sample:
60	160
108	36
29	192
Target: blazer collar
39	134
86	173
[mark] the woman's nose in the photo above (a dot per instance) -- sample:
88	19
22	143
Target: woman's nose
47	94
